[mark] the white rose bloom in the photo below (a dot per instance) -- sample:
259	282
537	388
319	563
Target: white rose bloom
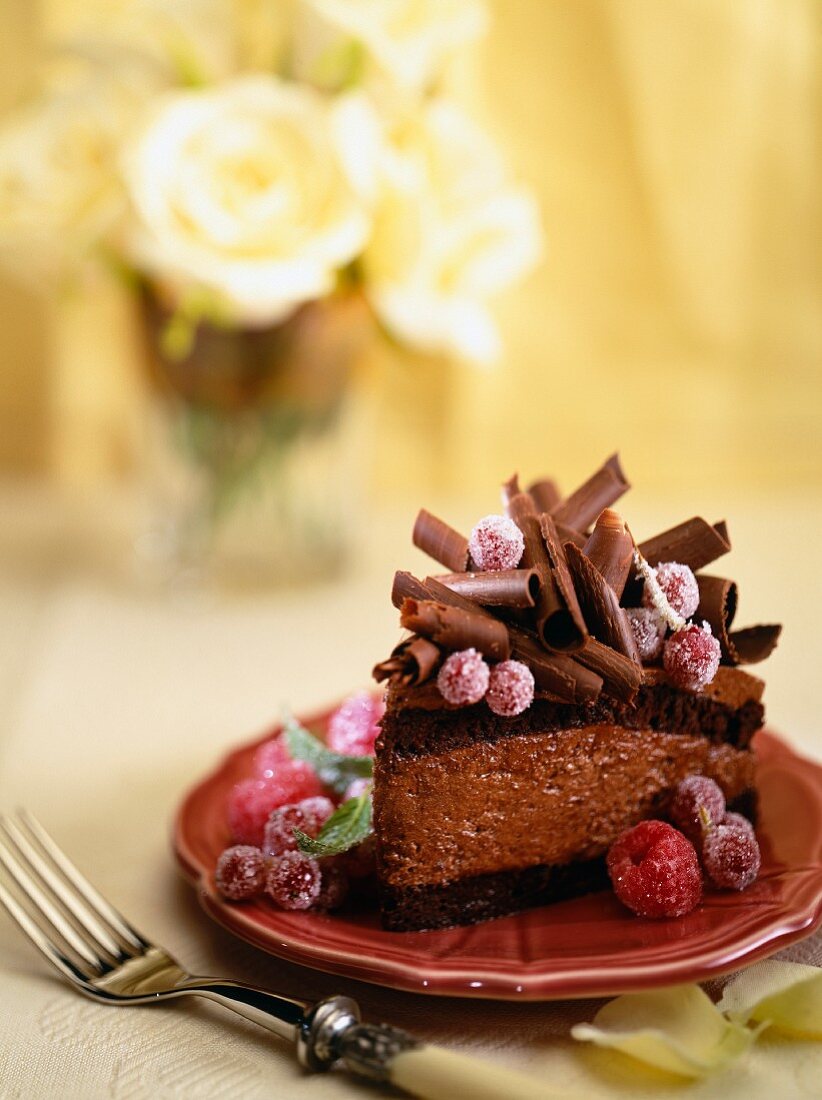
450	232
402	45
60	188
253	191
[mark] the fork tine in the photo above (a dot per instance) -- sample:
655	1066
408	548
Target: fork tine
40	900
96	901
47	910
64	893
39	938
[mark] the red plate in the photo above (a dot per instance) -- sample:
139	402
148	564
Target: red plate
585	947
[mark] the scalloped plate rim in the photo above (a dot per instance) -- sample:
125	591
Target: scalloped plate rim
527	981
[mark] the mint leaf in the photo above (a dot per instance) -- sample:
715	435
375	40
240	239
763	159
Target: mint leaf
334	769
348	826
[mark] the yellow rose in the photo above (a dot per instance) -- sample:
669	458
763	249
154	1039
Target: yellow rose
253	192
395	46
450	232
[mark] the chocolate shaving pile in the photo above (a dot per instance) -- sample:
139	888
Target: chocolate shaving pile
562	611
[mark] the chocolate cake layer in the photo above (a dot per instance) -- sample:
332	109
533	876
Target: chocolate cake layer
476	815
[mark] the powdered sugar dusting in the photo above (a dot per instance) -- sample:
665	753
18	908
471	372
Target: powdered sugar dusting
463	678
496	543
691	657
679	584
510	688
648	629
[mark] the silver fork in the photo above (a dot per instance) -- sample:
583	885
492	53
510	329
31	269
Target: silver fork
106	958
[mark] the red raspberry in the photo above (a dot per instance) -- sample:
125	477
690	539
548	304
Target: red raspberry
308	816
691	657
333	887
510	688
679	585
654	870
293	881
496	543
354	726
270	756
463	678
731	856
252	800
695	794
240	872
649	631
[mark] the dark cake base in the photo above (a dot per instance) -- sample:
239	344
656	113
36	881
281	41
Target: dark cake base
484	897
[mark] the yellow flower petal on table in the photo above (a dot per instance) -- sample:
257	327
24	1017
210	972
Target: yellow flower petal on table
784	995
679	1030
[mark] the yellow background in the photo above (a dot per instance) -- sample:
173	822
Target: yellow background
674	147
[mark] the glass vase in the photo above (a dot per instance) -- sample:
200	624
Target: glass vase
256	446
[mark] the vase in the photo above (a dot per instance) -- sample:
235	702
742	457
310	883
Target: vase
255	446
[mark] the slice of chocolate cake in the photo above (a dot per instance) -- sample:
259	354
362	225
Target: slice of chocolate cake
556	687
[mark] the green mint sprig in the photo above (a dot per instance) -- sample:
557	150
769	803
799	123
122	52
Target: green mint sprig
347	827
333	768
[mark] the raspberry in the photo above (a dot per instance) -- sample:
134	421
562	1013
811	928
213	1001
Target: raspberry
240	872
510	688
355	788
694	794
333	886
354	726
293	881
649	631
691	657
654	870
252	800
270	756
496	543
740	822
308	816
730	855
463	678
679	585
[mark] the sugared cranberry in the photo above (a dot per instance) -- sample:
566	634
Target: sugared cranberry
354	726
679	585
333	885
649	631
697	798
463	678
655	871
252	800
308	816
240	872
691	657
510	688
731	856
496	543
740	821
270	757
293	881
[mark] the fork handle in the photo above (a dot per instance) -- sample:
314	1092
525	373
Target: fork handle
435	1073
282	1015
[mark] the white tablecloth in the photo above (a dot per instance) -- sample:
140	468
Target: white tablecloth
114	700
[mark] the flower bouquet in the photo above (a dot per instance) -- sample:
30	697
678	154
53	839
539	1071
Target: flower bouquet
276	183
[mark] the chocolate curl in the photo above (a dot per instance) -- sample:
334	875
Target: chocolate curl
544	494
454	628
503	588
441	542
557	628
568	534
412	662
561	677
695	543
510	489
600	491
605	618
560	626
611	549
405	585
621	676
717	604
